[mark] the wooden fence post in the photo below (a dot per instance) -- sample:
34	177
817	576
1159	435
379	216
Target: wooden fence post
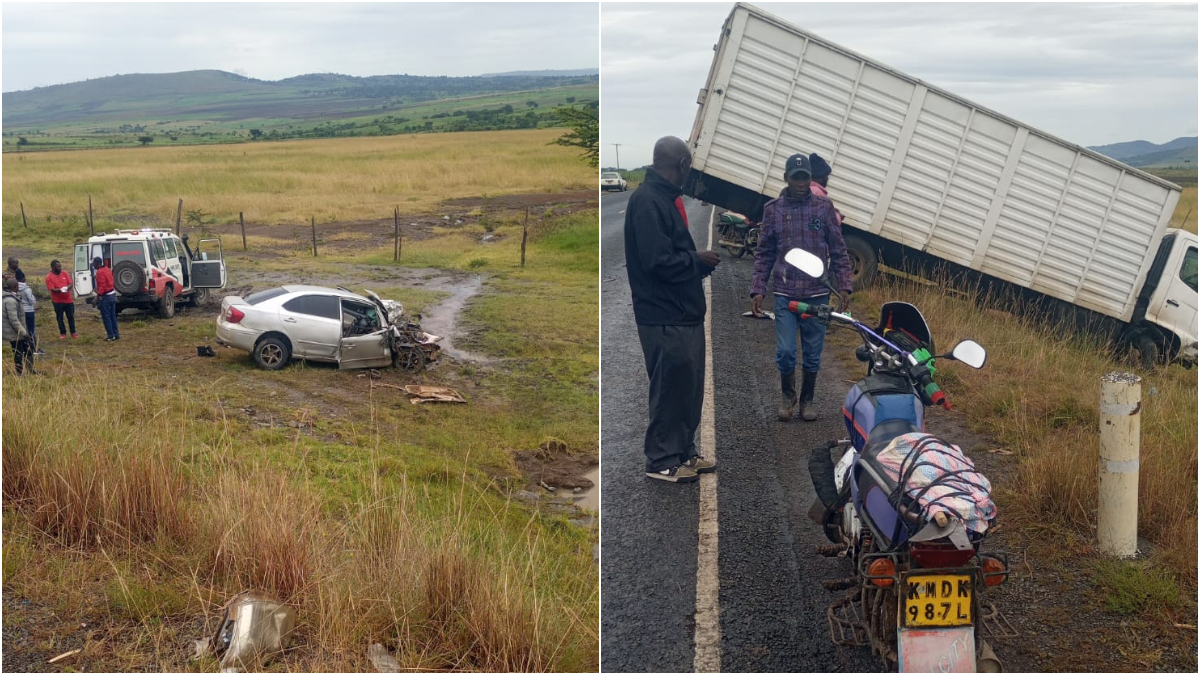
242	220
91	218
396	235
524	235
314	226
178	216
23	216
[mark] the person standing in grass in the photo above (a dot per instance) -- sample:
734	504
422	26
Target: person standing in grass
58	283
14	331
106	298
29	305
665	272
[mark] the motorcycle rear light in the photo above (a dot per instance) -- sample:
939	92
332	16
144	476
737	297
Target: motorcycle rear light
934	555
995	572
883	571
235	315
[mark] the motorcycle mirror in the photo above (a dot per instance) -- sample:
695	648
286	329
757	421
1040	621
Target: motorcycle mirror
969	352
805	262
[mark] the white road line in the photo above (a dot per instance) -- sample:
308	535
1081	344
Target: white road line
708	581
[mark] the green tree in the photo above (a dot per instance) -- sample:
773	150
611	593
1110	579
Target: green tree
145	140
585	131
255	134
531	104
570	99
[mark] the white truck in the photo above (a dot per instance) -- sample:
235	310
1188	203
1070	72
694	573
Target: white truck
924	178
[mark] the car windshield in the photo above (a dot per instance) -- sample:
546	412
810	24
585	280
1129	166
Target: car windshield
262	296
610	175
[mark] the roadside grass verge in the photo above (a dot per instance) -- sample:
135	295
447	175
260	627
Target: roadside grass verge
290	181
188	480
1038	397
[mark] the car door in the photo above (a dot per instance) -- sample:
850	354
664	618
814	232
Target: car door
208	267
84	286
366	340
313	324
170	263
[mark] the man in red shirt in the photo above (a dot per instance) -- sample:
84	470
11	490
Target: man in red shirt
106	297
58	283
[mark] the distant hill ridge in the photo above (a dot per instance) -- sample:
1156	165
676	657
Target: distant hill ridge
1181	152
228	96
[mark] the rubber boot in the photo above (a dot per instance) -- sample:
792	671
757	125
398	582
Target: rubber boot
808	387
787	407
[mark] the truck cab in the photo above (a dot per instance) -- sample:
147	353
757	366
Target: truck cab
1170	301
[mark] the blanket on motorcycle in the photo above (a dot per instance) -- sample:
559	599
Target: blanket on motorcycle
940	478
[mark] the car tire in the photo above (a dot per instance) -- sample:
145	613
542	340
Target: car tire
199	298
409	359
166	304
128	277
272	353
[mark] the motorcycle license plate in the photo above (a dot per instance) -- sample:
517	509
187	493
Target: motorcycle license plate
936	600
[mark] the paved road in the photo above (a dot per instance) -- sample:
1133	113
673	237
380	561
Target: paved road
772	607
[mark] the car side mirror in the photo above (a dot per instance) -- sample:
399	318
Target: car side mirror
805	262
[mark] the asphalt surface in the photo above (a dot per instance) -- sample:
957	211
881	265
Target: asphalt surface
772	606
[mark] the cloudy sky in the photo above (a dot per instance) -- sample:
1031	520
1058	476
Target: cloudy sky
50	43
1089	73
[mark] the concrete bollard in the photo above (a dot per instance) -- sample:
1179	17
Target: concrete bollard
1120	436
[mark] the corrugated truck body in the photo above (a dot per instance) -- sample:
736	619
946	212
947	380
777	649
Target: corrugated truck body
921	167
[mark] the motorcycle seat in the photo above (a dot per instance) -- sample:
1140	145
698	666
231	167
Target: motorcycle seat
743	226
872	477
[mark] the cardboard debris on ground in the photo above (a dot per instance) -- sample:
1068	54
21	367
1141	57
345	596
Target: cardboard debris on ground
422	393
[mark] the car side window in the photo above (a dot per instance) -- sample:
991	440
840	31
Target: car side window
157	250
324	306
172	251
1187	272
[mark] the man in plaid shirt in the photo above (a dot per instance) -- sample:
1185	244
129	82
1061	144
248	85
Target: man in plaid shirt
798	219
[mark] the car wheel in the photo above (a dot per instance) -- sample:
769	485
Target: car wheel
409	359
272	353
199	298
1145	350
166	304
128	277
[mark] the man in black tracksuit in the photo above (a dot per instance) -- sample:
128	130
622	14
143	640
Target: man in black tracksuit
665	272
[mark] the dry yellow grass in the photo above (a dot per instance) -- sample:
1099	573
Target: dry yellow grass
292	181
1185	212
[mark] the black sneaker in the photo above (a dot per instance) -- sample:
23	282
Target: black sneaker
679	474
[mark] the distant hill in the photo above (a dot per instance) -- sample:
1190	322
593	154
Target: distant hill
1142	154
222	96
545	73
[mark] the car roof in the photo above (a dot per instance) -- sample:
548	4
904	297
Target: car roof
302	288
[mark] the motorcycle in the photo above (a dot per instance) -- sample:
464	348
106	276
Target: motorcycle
738	234
906	508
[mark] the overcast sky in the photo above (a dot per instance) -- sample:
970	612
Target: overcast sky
50	43
1091	74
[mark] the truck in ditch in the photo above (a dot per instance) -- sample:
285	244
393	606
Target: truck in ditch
927	179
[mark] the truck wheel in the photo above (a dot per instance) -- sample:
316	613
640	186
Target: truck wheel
128	277
1145	350
166	304
272	353
199	298
864	262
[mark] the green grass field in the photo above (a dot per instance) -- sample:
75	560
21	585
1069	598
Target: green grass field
187	480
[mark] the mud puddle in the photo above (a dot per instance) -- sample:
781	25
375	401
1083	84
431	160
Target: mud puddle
442	319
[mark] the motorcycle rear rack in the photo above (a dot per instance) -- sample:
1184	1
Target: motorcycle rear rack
846	627
994	624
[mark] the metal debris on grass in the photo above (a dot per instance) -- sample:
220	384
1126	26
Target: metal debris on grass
254	628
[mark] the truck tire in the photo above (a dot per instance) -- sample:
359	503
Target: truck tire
166	304
128	277
1145	350
272	353
864	262
198	298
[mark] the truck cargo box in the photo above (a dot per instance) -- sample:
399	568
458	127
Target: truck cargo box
919	166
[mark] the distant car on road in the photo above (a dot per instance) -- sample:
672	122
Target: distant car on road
331	325
611	180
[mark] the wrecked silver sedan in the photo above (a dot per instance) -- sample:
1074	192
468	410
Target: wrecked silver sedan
330	325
